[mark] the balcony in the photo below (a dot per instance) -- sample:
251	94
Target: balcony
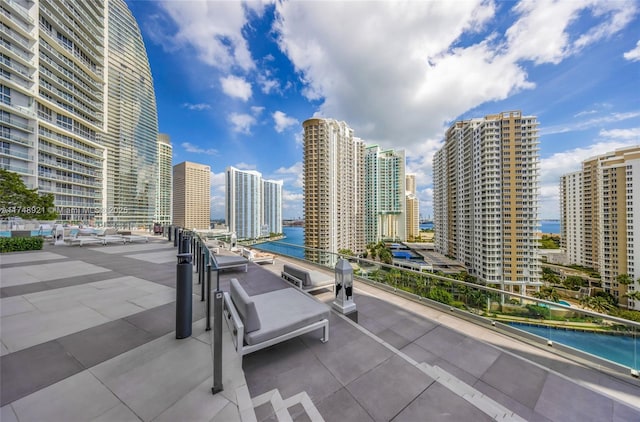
401	360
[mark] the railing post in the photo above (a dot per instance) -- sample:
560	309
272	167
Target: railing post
217	338
208	328
202	274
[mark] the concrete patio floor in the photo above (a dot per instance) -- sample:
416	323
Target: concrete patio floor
87	334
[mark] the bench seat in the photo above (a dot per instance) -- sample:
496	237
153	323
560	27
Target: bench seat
307	280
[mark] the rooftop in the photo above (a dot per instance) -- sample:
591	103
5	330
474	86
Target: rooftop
87	334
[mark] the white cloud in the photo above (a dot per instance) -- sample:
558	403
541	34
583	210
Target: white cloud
590	123
292	176
283	121
197	150
633	54
212	30
630	134
241	123
257	110
197	107
236	87
245	166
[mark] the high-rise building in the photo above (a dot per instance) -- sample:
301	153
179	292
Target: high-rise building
604	215
486	198
192	195
253	206
333	189
385	191
52	104
243	203
272	206
571	217
412	208
164	189
132	124
77	112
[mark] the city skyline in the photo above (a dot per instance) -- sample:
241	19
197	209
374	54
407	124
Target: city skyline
235	81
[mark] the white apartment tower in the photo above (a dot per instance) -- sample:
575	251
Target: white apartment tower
272	206
192	196
572	217
77	108
385	195
333	189
243	203
609	209
412	208
164	190
486	198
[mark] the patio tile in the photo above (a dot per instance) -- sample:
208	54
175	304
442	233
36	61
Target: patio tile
15	305
516	378
119	413
355	358
156	321
197	405
31	369
387	389
172	367
472	356
7	414
504	399
28	258
44	272
437	404
98	344
80	397
418	354
341	406
557	398
440	340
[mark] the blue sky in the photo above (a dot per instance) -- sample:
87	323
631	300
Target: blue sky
235	80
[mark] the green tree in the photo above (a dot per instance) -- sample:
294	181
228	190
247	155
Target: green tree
573	282
624	279
635	295
346	252
16	200
547	293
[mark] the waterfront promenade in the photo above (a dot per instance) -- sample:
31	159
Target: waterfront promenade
87	334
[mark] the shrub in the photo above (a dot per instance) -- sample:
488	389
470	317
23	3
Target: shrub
15	244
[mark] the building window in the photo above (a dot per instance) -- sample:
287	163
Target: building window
5	94
65	122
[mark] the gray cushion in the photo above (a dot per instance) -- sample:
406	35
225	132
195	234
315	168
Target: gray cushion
298	273
245	307
283	311
309	278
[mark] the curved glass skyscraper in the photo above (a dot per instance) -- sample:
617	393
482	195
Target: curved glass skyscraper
132	125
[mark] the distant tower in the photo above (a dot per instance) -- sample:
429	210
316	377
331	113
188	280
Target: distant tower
333	188
272	206
412	208
243	203
192	195
164	191
385	214
486	198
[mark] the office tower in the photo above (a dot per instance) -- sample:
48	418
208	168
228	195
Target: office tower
77	112
486	198
571	217
243	203
610	211
192	196
333	188
165	181
52	105
132	125
272	206
385	191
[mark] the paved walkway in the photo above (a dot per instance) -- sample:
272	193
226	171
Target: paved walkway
87	334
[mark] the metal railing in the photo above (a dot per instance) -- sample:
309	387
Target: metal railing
571	328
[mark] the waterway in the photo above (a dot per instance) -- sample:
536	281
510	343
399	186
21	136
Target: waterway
623	350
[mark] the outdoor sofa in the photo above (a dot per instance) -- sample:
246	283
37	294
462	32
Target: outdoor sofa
82	239
307	280
262	320
257	256
225	262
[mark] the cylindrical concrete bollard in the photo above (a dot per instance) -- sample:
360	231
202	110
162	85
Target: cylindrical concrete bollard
184	292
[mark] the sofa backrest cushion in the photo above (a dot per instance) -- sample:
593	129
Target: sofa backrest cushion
298	273
245	307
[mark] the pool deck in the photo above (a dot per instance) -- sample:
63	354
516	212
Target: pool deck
87	334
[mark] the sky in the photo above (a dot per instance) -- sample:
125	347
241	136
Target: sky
235	80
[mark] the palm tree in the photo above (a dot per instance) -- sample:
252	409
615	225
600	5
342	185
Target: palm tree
634	295
624	279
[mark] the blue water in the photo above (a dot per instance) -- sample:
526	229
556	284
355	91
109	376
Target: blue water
294	236
550	226
619	349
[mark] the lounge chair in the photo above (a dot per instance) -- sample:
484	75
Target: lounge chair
135	238
82	239
257	256
307	280
263	320
224	262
